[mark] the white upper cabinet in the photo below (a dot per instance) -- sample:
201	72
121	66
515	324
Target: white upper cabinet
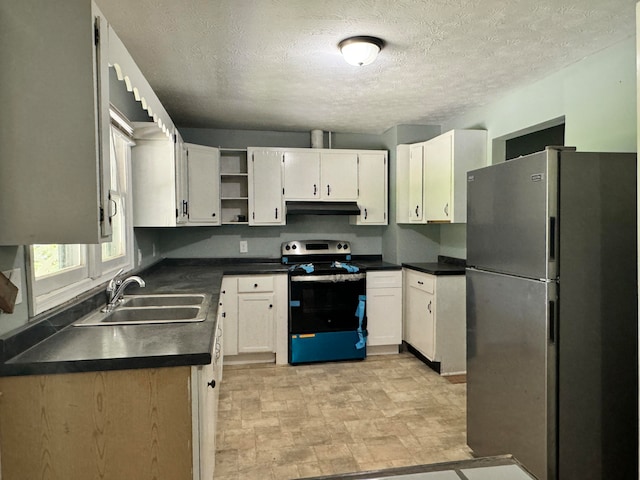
157	201
55	134
203	172
447	159
265	187
431	176
302	175
437	179
403	213
416	188
174	183
373	189
320	174
182	180
339	176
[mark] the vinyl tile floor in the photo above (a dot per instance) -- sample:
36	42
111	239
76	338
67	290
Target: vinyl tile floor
288	422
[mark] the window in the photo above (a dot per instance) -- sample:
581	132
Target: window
60	272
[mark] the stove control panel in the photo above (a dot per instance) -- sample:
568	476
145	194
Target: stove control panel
315	247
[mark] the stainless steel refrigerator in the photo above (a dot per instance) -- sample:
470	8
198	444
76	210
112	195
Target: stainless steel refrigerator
552	328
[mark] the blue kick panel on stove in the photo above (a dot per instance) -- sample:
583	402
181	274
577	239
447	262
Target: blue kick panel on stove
325	347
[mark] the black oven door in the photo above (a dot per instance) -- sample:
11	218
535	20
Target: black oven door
324	303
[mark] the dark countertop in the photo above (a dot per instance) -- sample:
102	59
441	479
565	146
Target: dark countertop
444	266
64	348
376	265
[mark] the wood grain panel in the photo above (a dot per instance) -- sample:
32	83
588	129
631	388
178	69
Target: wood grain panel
129	424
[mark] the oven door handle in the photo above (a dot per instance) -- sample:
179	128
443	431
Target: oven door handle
330	278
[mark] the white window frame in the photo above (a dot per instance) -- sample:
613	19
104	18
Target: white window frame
55	289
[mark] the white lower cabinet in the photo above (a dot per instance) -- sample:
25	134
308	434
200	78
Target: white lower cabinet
255	322
205	381
384	308
435	322
254	309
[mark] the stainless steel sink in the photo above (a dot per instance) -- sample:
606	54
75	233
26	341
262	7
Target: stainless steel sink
149	309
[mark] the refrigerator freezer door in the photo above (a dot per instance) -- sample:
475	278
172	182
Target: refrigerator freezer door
511	215
511	369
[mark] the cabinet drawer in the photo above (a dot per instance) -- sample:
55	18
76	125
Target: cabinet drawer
421	281
388	279
255	284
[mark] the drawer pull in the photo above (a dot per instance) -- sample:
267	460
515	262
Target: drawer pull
420	282
429	306
211	384
255	285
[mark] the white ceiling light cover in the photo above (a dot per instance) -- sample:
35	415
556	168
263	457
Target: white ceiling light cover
360	51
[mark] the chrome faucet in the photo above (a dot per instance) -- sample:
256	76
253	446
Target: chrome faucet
115	289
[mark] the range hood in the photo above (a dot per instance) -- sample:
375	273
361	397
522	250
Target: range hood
322	208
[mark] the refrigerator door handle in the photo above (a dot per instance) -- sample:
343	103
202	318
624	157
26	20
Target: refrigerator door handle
552	322
552	238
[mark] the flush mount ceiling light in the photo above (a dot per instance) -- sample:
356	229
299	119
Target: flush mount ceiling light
360	51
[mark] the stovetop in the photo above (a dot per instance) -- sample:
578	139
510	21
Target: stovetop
318	257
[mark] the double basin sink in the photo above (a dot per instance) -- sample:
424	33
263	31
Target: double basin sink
150	309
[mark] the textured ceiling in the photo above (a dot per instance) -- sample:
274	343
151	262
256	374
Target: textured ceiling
274	64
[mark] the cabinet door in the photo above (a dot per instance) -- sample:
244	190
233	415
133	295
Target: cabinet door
203	164
403	211
207	411
339	176
372	180
255	322
54	160
384	316
182	180
420	321
266	188
301	175
229	307
437	161
416	214
153	173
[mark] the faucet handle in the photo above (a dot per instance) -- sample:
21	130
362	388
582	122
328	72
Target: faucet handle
114	281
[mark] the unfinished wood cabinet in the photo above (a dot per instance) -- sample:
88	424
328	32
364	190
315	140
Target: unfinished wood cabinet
113	425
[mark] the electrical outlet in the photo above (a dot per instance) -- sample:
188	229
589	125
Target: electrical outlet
244	247
15	276
154	250
139	256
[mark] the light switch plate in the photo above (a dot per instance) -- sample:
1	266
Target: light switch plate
15	276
